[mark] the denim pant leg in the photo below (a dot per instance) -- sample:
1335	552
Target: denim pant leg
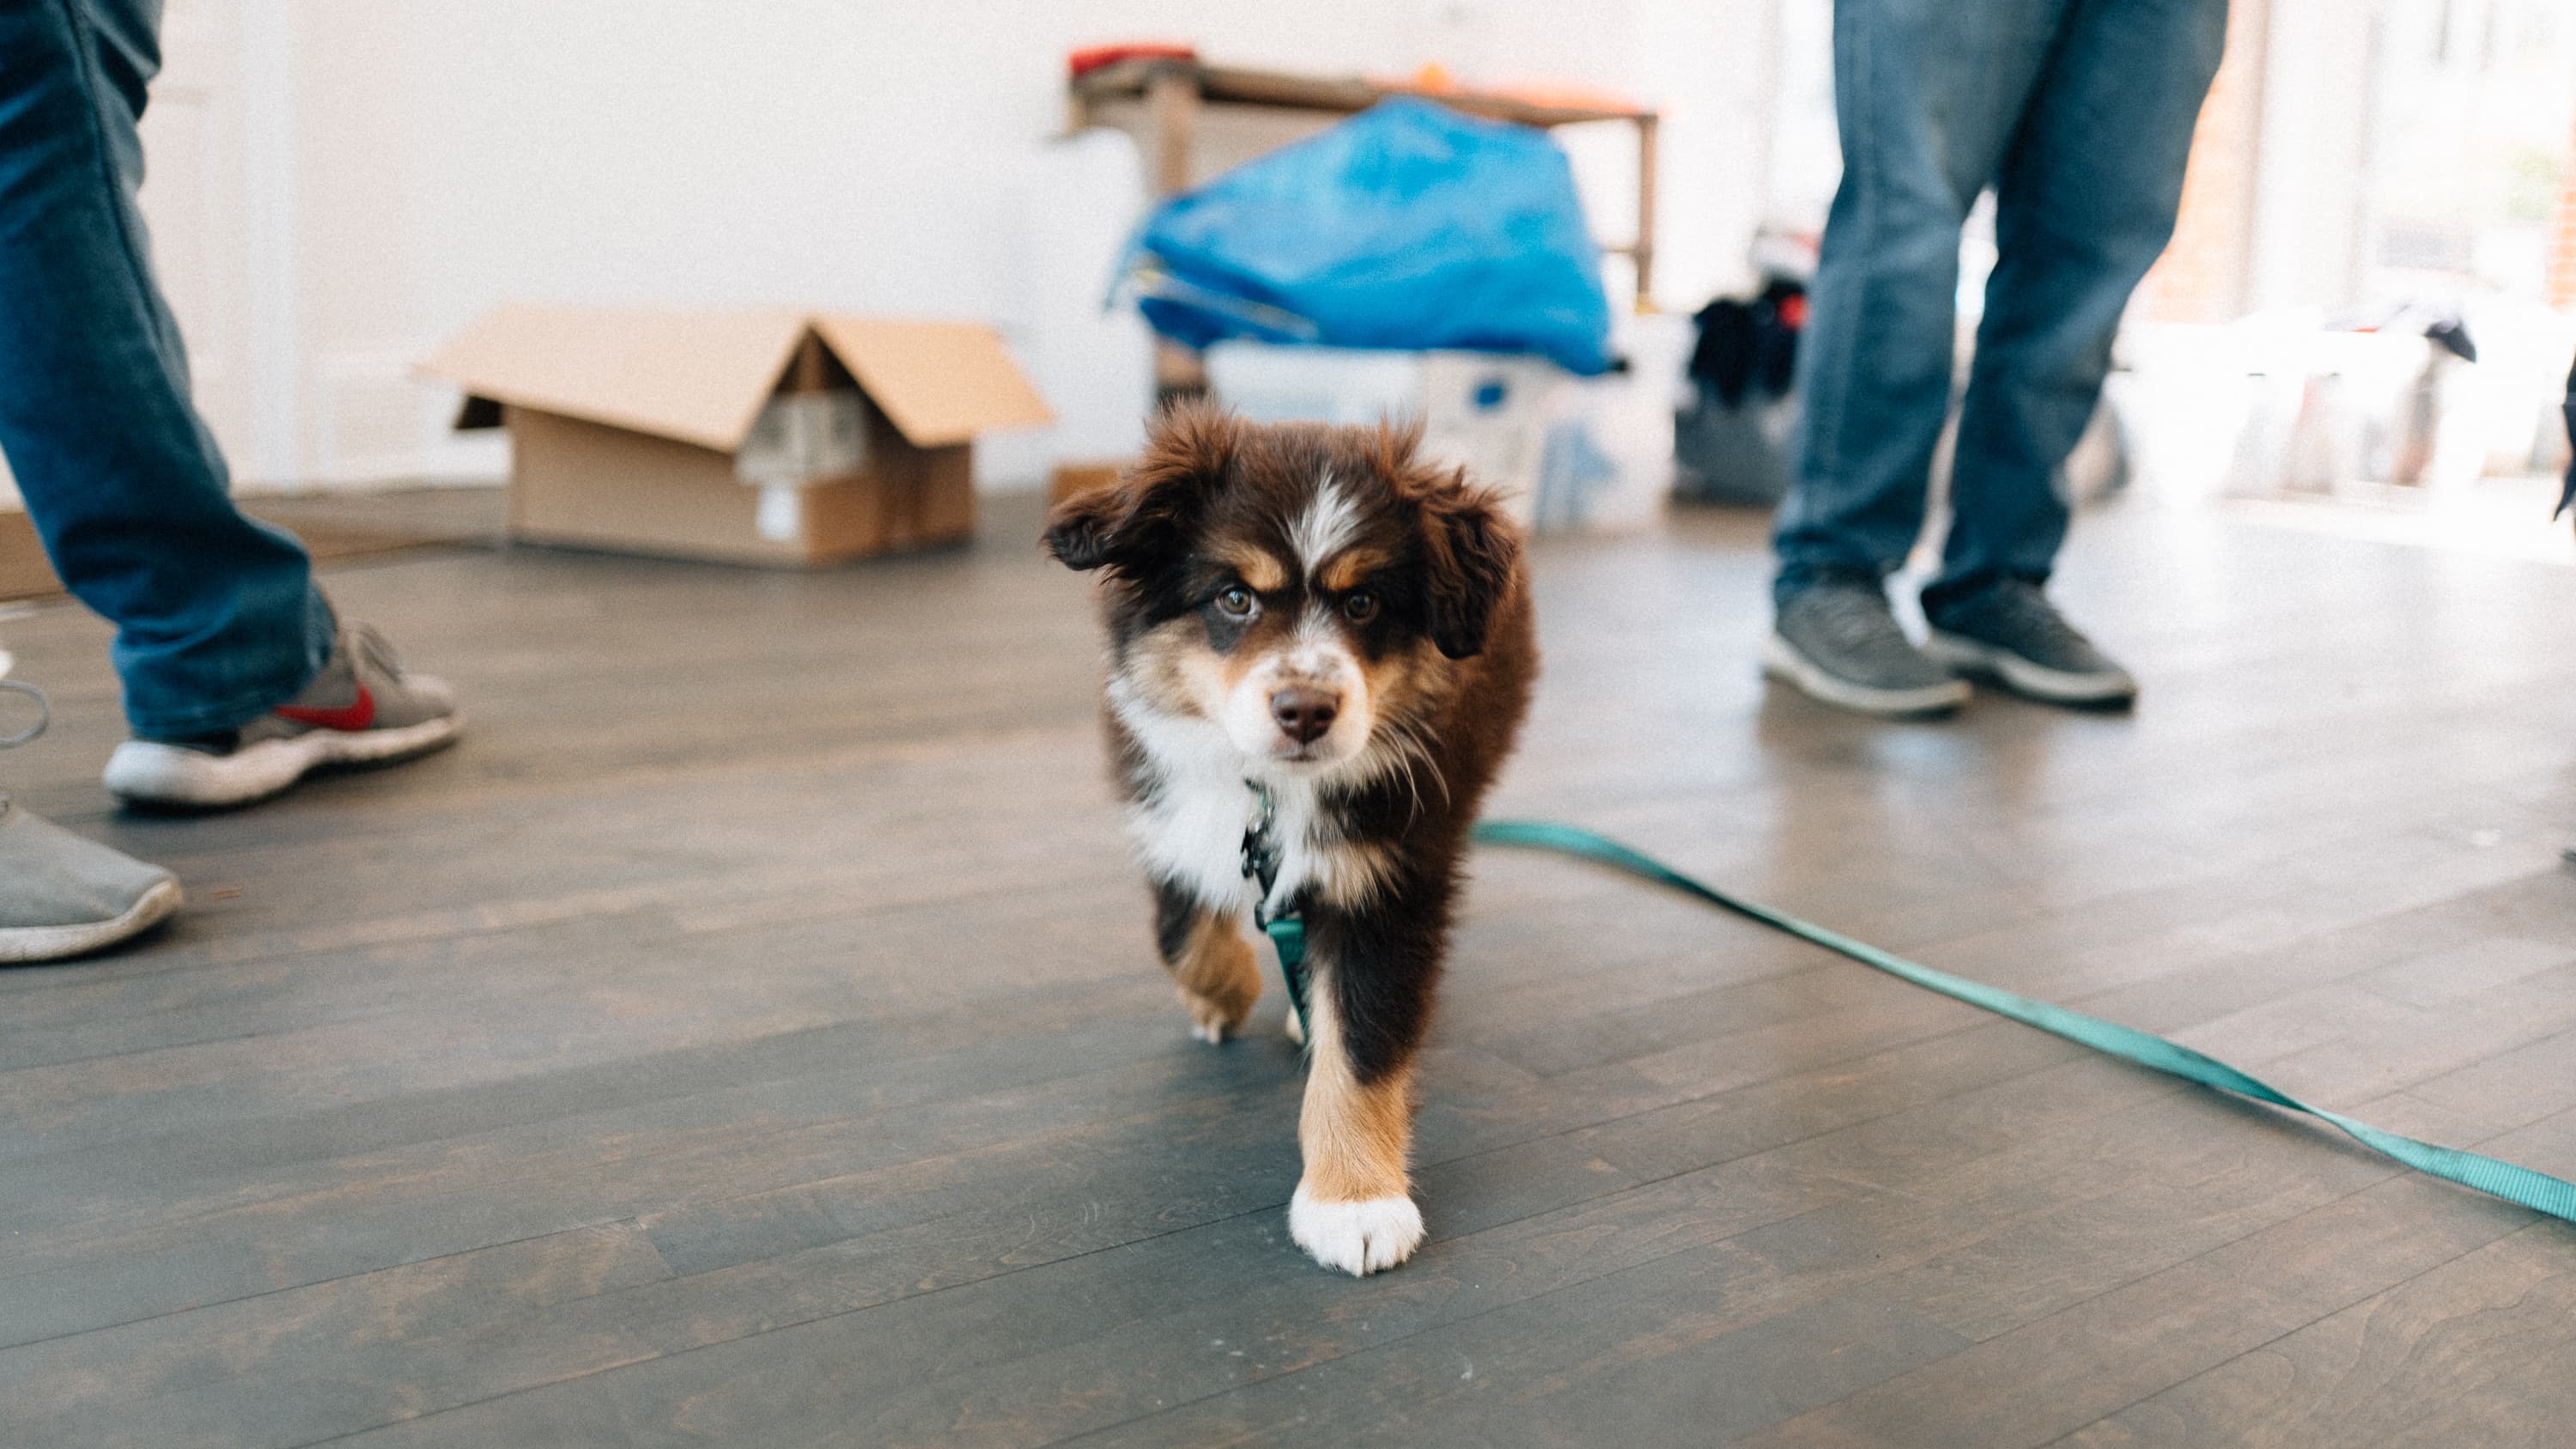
217	617
2084	205
1926	95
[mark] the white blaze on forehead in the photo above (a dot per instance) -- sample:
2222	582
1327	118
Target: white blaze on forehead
1317	651
1326	527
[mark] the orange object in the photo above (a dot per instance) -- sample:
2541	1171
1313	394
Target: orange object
1542	93
1435	80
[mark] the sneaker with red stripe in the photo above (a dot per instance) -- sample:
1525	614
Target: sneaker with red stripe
364	708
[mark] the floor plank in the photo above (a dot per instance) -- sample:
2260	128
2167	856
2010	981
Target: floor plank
750	1036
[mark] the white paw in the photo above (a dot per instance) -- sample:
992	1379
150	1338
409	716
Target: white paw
1296	1028
1208	1021
1357	1237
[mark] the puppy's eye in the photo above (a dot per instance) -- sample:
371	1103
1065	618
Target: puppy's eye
1360	608
1235	601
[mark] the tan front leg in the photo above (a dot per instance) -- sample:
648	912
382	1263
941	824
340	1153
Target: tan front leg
1218	975
1354	1208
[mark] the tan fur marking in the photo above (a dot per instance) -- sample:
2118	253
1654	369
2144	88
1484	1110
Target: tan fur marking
1355	1137
1348	568
1349	873
1260	647
1174	671
1160	665
1218	975
1394	680
1259	571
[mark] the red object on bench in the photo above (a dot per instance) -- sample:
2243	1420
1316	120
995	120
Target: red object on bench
1089	59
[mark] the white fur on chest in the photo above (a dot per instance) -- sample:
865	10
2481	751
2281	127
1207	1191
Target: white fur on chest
1190	831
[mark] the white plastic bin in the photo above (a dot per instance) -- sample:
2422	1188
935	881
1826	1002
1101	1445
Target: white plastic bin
1565	452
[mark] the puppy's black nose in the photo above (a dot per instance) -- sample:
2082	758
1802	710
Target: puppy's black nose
1304	714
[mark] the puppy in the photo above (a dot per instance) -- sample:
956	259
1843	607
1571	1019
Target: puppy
1319	653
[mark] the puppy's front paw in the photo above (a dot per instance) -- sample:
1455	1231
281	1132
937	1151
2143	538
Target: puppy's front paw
1213	1019
1357	1237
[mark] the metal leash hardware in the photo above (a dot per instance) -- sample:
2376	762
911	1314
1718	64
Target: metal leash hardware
44	713
1286	927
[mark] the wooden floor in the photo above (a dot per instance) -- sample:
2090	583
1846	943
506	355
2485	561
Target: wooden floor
334	526
751	1036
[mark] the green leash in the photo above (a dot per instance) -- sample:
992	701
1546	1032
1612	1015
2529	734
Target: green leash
2536	1190
1288	937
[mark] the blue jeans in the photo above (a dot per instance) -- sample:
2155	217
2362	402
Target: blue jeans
2079	113
216	616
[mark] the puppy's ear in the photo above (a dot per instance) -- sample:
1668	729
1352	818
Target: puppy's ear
1472	551
1147	513
1089	530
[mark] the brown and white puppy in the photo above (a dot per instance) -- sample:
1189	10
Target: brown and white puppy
1315	612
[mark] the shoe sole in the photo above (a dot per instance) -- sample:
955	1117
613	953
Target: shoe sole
2052	686
25	945
171	777
1781	660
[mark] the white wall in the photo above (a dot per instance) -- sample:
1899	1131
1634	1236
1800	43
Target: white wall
426	159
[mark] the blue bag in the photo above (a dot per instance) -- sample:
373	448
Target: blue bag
1407	226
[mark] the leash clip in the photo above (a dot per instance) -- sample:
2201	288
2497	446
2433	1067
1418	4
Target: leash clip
1260	853
1285	927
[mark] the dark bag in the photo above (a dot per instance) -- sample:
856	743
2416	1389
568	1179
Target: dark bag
2567	499
1730	443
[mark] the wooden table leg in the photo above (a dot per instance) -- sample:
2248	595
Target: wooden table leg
1172	100
1645	252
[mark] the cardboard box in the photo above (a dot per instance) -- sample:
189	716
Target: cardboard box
24	571
765	437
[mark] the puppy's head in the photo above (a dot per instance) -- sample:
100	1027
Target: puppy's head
1305	588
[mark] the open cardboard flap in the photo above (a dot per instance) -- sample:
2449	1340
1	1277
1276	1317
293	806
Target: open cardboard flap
702	377
699	377
939	383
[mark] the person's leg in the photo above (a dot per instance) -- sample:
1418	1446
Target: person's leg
217	618
238	681
1926	94
2085	204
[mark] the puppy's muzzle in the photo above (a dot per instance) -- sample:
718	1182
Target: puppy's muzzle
1305	713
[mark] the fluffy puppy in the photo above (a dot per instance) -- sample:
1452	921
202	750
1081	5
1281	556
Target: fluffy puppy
1309	627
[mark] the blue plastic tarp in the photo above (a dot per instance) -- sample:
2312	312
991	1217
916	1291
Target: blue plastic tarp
1407	226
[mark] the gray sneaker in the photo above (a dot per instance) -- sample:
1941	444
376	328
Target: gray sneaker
362	709
2012	633
61	895
1838	642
